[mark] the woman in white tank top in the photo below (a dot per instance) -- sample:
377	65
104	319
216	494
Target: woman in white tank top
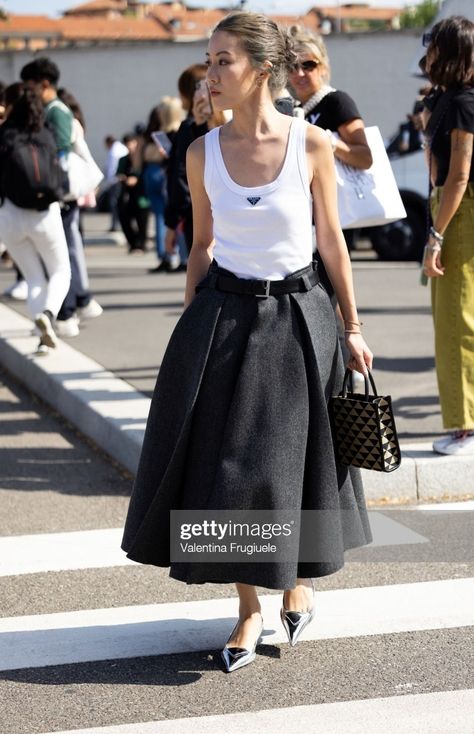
239	420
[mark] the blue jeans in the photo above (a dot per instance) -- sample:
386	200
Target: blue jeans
154	182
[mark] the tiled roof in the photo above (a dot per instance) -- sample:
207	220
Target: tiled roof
98	6
28	24
357	12
120	29
309	21
187	22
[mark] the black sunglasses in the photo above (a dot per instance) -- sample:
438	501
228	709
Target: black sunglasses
426	39
309	65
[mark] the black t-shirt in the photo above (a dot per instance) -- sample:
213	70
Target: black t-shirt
334	110
451	110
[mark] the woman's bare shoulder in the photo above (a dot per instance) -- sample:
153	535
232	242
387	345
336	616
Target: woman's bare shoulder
315	138
195	152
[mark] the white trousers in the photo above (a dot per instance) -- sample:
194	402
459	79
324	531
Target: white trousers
37	244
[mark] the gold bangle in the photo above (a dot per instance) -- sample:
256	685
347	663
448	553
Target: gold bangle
352	331
357	323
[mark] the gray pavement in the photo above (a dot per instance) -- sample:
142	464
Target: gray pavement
52	480
142	309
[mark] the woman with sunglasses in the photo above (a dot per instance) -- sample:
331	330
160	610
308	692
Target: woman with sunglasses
328	108
239	418
449	253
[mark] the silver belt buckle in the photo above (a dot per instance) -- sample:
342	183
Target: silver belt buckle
266	285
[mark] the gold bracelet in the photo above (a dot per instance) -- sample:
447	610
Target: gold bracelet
357	323
352	331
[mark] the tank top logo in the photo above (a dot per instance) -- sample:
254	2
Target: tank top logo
253	199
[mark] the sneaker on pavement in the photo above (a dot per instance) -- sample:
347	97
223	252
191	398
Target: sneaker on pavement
91	311
42	349
18	291
460	443
48	337
68	328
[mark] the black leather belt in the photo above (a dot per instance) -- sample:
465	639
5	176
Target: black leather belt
262	288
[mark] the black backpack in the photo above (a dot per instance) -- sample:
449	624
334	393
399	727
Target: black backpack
31	176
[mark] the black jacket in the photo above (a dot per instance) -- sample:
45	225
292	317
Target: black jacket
179	199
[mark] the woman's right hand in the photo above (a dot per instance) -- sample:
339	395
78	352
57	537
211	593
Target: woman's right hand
201	110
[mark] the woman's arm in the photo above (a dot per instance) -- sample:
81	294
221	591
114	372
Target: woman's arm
201	252
453	191
352	148
331	243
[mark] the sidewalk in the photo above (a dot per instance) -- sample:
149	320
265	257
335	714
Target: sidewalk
102	380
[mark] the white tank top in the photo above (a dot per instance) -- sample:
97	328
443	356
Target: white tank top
264	231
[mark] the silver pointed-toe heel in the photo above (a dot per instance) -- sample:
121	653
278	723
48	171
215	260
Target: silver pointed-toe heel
295	622
237	657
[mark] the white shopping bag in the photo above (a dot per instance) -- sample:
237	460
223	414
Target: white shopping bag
368	198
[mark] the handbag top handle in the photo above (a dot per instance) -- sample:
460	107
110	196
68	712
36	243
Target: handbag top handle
368	377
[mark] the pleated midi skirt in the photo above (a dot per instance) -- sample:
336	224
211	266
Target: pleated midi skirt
239	420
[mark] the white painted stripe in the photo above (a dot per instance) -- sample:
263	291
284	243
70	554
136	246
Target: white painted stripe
467	506
159	629
20	554
447	712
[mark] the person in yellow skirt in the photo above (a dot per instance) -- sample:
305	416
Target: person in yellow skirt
449	253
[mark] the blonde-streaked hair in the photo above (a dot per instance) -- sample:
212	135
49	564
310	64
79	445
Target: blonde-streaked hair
171	113
305	41
262	40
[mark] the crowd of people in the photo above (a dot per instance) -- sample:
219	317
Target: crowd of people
146	176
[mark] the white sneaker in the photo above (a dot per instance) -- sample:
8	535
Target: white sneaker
458	444
48	337
18	291
91	311
68	328
42	350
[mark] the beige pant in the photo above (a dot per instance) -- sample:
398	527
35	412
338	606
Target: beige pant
452	297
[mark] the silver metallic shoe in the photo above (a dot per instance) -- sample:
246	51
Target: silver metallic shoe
295	622
237	657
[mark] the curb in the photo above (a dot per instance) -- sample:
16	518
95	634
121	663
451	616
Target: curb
113	414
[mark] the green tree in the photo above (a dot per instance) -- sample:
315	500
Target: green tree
419	16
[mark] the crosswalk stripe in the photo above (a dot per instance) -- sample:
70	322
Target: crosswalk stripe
466	506
159	629
448	712
21	554
39	553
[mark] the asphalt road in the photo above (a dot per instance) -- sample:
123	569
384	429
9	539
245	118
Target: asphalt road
53	482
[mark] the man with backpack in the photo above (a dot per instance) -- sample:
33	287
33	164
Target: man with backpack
42	76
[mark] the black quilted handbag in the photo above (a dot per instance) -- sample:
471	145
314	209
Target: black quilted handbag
363	428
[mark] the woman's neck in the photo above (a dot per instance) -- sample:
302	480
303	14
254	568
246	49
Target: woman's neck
254	119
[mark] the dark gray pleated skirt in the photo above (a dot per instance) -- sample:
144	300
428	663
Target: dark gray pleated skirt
239	420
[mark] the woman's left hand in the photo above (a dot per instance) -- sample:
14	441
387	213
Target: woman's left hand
361	356
432	266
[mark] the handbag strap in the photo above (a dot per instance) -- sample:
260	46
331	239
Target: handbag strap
367	378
